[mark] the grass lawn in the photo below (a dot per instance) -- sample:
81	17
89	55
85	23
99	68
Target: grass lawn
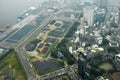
116	76
11	64
62	77
106	66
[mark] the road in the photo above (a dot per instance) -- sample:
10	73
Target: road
68	70
22	54
26	64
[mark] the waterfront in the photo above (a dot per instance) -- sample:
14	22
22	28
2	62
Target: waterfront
11	9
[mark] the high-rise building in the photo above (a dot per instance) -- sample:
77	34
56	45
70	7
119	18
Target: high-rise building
88	14
117	60
59	1
82	66
119	14
102	3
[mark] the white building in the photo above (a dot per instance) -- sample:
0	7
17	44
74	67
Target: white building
113	44
88	14
59	1
1	51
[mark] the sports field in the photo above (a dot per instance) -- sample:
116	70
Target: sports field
106	66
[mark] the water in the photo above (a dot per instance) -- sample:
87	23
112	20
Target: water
10	9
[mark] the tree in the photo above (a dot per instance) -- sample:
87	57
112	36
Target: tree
104	42
72	29
54	53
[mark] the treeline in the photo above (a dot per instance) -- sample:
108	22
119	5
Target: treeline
72	30
10	52
6	53
61	50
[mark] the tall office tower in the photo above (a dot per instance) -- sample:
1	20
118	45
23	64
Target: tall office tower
82	66
88	14
117	60
59	1
119	14
102	3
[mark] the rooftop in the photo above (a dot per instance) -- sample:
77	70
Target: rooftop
1	50
118	55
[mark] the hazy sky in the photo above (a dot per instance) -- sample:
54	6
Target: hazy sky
10	9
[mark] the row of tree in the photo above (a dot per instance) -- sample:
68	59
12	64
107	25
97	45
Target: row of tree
61	50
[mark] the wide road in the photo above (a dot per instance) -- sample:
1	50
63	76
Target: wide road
26	64
22	54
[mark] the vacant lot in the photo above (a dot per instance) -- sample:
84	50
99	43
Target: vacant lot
47	66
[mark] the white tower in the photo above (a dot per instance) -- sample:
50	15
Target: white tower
88	14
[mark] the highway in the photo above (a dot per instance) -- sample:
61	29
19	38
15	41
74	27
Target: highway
26	64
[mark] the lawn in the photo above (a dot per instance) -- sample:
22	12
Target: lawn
116	76
106	66
11	67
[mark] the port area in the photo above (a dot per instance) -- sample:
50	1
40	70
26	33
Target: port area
11	36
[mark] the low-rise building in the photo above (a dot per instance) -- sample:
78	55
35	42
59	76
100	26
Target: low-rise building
113	44
1	51
101	78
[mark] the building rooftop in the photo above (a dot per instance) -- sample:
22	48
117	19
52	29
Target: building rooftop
81	58
100	78
118	55
1	51
113	44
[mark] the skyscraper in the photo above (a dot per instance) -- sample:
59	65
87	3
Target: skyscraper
82	66
88	14
119	15
102	3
